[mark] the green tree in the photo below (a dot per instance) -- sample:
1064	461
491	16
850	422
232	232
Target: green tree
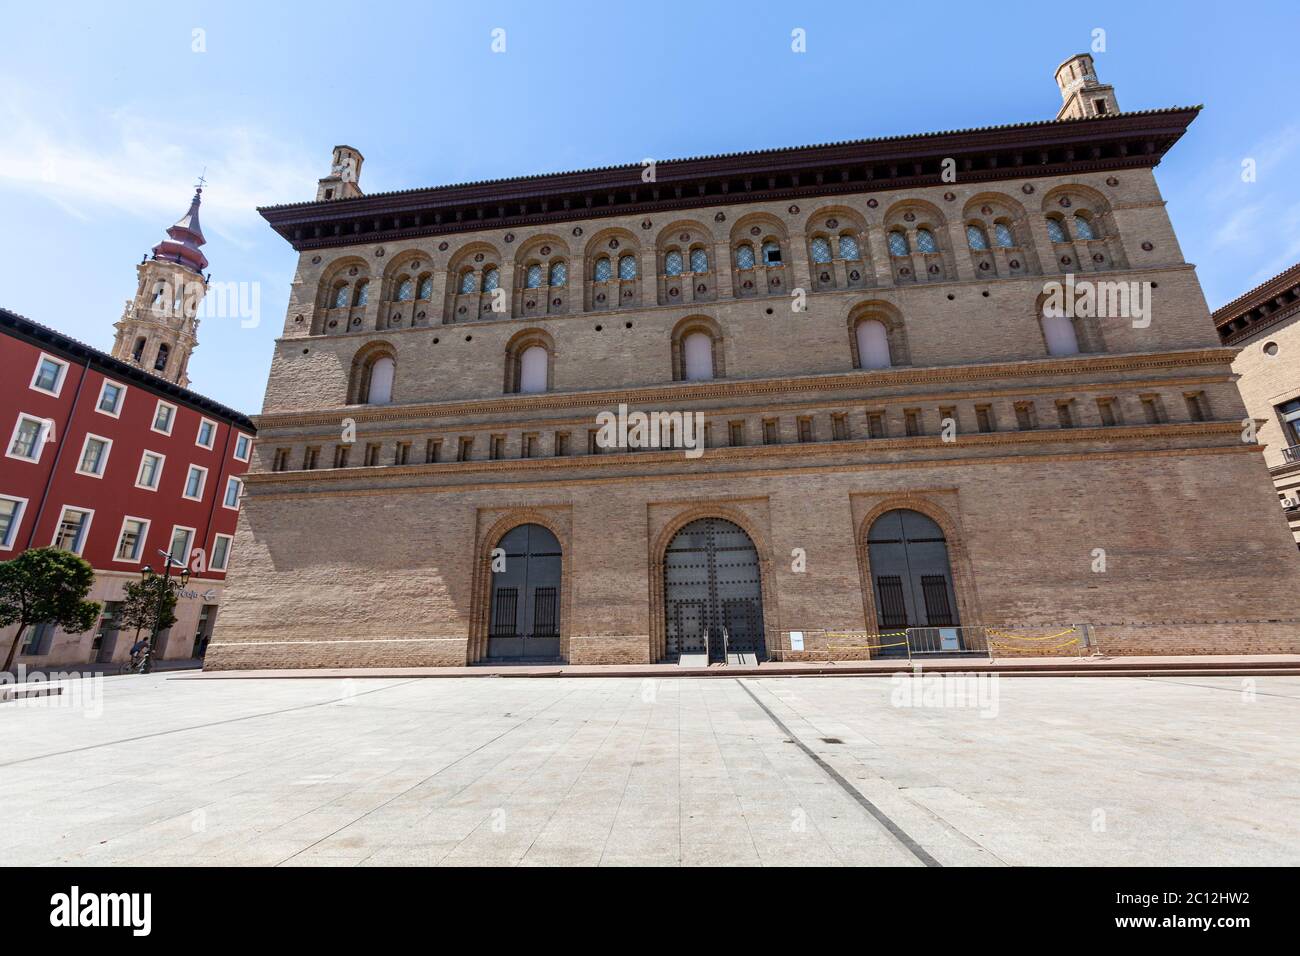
148	605
46	585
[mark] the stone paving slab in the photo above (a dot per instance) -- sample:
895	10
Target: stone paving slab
654	771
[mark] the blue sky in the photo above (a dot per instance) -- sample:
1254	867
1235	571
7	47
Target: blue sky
109	114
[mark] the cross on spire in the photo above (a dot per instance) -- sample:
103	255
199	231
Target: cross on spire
202	182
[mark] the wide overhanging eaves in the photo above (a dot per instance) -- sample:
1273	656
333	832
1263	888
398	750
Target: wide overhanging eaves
1050	148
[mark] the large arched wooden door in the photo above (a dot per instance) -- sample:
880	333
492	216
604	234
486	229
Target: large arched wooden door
712	582
911	576
524	623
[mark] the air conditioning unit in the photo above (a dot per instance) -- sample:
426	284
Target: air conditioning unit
1289	503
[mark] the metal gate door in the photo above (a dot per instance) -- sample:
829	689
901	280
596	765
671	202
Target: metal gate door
525	608
910	573
712	581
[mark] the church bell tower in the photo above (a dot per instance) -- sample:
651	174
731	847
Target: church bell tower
159	327
1083	95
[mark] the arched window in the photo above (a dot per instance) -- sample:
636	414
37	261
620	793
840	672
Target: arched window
673	263
1083	228
977	238
627	267
559	274
849	248
533	370
405	289
138	352
821	250
491	279
1003	236
898	243
925	241
380	391
160	363
426	287
341	295
1059	333
362	295
603	271
467	282
873	344
1056	231
771	253
744	256
533	278
697	356
699	260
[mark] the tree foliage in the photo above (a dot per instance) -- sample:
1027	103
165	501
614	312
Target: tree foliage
46	585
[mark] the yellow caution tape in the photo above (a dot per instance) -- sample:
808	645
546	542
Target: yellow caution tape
1022	637
1035	649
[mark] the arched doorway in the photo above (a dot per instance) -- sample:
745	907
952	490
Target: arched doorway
524	622
712	583
911	576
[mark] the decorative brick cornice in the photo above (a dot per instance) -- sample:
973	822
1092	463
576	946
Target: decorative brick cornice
1263	307
680	392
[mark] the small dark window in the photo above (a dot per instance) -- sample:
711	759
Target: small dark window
805	429
984	418
465	449
736	433
432	448
912	422
341	456
771	432
1106	410
839	427
876	424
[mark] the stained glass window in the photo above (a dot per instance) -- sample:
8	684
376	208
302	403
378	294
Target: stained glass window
533	278
925	241
699	260
1083	228
363	294
821	250
604	272
491	279
1055	231
559	274
468	282
849	248
627	267
1002	235
745	256
898	243
426	287
771	254
976	238
405	290
341	296
673	263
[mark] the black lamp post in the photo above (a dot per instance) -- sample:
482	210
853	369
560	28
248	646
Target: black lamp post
182	580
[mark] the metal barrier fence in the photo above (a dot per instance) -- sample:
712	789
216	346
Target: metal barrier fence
1008	640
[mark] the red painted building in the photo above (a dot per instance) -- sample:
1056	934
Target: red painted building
116	464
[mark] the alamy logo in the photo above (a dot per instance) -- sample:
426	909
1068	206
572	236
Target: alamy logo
652	430
1084	298
75	908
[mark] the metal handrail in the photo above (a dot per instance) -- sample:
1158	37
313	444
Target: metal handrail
726	647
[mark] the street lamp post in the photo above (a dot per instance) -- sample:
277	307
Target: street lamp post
182	580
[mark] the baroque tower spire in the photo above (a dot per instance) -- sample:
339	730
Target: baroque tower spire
159	327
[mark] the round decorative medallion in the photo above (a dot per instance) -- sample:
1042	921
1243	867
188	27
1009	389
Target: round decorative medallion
1098	257
395	317
530	304
1147	247
357	320
600	328
315	260
748	284
379	253
1014	263
298	319
1270	348
873	203
646	223
613	243
436	340
701	288
720	217
949	196
1065	202
755	231
627	293
684	237
1112	181
1027	188
469	338
333	323
545	250
793	210
420	315
855	275
352	271
672	292
461	310
825	277
986	210
984	267
909	216
577	230
1066	260
832	223
556	301
442	247
904	271
479	257
776	283
934	270
600	297
510	237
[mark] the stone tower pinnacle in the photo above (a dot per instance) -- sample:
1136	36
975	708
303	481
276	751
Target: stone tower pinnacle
1083	95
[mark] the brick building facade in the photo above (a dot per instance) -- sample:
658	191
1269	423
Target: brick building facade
899	429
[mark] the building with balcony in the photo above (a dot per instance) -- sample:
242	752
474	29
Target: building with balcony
952	379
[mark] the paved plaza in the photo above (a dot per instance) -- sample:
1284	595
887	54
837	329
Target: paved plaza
187	770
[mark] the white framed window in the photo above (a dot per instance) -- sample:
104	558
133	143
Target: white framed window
94	456
164	417
49	375
207	436
73	528
149	476
131	540
243	447
234	487
11	516
194	482
111	396
182	539
220	552
28	438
